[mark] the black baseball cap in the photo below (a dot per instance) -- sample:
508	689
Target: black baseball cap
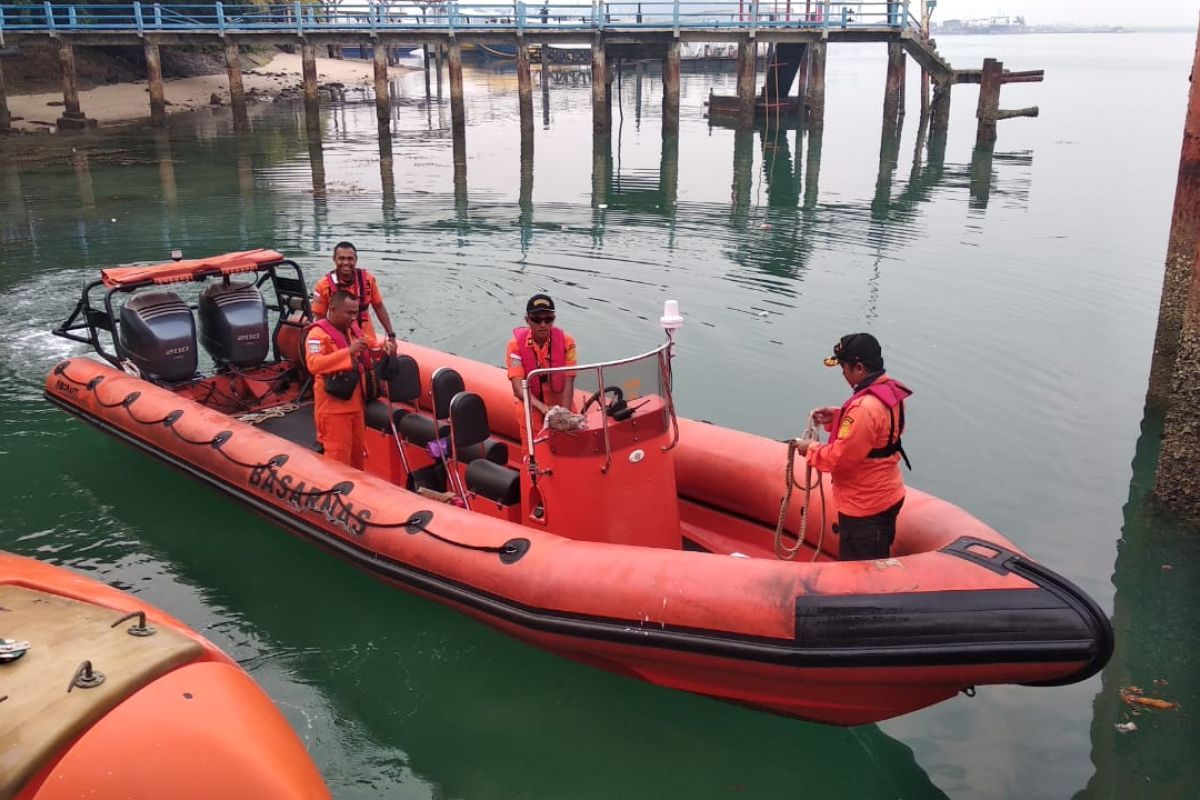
539	302
854	348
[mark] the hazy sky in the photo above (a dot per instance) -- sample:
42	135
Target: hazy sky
1153	12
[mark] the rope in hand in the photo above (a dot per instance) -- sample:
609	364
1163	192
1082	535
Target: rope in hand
784	551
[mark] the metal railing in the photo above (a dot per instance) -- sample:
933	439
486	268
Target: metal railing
376	16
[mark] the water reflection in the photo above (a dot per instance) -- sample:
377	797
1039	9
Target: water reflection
1157	632
316	159
387	177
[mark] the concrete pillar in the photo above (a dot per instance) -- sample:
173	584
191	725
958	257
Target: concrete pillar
458	114
939	110
5	117
524	92
601	111
1178	337
387	176
816	87
670	111
989	101
1181	244
237	91
312	105
72	117
383	103
893	88
158	99
746	71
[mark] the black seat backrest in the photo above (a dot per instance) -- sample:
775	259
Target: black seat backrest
468	421
445	384
403	378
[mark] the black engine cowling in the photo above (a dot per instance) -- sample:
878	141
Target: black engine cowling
159	336
233	324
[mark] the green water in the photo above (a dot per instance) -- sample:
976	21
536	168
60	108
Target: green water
1017	294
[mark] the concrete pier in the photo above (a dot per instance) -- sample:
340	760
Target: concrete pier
989	101
670	112
601	110
524	94
237	91
5	117
816	87
746	68
383	103
458	114
893	90
72	116
1177	343
158	99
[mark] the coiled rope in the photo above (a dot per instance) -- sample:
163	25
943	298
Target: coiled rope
785	551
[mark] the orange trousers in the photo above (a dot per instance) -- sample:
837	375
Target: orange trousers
341	435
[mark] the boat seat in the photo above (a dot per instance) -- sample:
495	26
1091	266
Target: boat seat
420	429
402	379
493	481
470	437
377	416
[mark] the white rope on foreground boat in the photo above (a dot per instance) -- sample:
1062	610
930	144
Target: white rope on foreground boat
275	412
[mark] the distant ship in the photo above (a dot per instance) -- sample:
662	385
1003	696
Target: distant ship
983	25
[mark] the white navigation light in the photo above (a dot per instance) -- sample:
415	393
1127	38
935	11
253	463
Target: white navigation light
671	321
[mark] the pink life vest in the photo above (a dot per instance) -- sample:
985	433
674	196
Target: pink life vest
558	358
364	302
893	394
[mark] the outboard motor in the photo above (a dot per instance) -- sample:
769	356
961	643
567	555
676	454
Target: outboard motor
233	324
159	336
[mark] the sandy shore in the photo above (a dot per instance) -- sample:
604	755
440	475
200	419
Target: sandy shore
122	102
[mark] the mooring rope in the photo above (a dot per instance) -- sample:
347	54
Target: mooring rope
782	550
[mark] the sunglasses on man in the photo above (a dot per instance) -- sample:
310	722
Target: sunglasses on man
541	320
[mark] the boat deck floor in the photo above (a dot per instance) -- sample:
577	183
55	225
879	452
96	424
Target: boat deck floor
297	427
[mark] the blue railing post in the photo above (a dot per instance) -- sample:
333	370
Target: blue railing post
599	14
675	17
1	26
753	17
158	16
49	10
220	17
373	15
299	17
137	17
451	13
825	20
904	19
520	16
71	18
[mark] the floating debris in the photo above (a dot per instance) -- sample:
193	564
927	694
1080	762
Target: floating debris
1125	727
1133	696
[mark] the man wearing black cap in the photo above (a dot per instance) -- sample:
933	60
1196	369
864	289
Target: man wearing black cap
540	346
864	451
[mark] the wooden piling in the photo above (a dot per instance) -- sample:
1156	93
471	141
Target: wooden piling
458	114
670	112
601	114
158	99
5	117
72	116
989	100
544	77
312	105
1178	479
893	97
924	95
939	109
1181	245
802	81
816	87
639	79
746	73
524	92
383	103
440	49
237	91
812	173
425	60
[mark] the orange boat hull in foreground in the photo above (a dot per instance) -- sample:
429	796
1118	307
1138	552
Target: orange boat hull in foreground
172	717
630	539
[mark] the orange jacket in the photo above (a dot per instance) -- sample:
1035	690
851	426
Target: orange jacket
325	356
516	369
325	287
861	486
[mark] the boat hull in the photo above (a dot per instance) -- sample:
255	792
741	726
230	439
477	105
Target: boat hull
837	642
171	718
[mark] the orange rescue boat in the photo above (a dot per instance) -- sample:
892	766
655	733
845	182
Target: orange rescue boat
639	542
102	695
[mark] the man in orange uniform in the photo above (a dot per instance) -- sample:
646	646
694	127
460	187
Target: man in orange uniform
863	455
539	346
347	277
338	353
